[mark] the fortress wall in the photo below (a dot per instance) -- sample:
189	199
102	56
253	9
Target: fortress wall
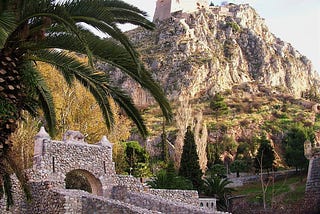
164	8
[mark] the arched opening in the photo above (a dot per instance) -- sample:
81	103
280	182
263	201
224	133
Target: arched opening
83	180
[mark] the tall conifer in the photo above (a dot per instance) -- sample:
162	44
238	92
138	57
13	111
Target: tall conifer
189	167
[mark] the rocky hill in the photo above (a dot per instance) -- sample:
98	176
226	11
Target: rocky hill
227	50
213	49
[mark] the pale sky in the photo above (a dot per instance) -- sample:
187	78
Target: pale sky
294	21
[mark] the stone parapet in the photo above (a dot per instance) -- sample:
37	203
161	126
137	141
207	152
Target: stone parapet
184	196
156	203
131	183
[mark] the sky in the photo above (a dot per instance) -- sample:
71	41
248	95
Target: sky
293	21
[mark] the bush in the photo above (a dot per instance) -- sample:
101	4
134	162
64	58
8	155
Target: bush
218	170
235	27
168	179
217	187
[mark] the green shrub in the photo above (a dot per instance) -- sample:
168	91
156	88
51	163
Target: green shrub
235	27
168	179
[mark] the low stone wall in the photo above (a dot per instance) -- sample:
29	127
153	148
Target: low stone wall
256	178
131	183
134	185
96	204
210	203
183	196
155	203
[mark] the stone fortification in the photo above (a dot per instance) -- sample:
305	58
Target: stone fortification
164	8
111	193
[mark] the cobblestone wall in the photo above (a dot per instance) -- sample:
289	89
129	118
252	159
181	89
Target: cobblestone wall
118	194
189	196
156	203
312	195
131	183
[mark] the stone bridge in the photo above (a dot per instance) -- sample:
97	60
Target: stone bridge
111	193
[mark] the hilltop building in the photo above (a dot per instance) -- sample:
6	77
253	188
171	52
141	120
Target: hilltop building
165	8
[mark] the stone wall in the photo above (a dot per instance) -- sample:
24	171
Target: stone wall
164	8
111	193
312	194
240	181
188	197
155	203
131	183
59	158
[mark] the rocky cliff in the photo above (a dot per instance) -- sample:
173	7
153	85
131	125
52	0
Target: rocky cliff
211	50
230	50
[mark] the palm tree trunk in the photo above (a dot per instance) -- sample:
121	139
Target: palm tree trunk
12	98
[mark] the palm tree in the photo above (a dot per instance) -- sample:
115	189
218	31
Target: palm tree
47	31
217	187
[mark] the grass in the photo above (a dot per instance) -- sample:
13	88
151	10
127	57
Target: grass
285	191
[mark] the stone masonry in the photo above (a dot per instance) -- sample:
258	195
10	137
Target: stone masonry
164	8
111	193
312	194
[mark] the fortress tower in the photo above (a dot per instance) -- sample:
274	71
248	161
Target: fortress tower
164	8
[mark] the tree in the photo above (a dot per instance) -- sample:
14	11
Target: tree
238	166
137	159
168	179
218	105
47	31
217	187
189	164
294	147
265	156
164	145
218	170
264	160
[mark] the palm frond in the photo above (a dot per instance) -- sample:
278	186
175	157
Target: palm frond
39	95
94	81
57	14
103	15
46	102
56	58
126	103
115	33
117	56
7	25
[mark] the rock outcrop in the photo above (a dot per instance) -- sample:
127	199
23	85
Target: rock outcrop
211	50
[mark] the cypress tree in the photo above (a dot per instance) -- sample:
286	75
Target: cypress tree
164	145
189	165
265	155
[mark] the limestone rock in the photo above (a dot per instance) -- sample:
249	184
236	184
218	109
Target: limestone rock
210	50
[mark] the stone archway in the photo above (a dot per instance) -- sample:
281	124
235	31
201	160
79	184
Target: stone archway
88	179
